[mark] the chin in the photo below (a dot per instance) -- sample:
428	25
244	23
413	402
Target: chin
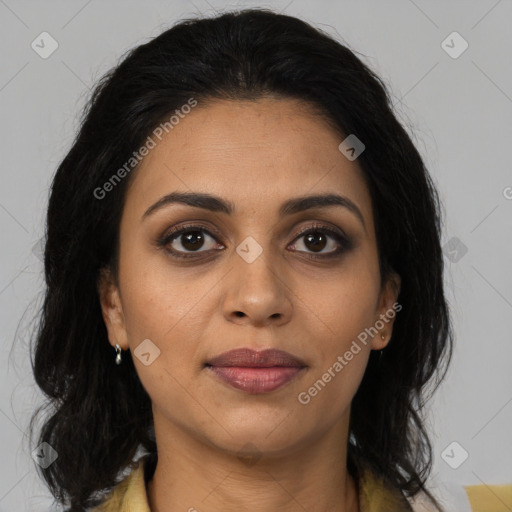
271	438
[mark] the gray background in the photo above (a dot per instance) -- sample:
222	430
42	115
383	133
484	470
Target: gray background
459	111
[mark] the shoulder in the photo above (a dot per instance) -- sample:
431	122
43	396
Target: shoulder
422	503
129	495
376	492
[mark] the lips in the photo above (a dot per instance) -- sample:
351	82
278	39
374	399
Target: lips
248	358
255	372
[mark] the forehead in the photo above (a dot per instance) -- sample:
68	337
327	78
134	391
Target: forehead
253	153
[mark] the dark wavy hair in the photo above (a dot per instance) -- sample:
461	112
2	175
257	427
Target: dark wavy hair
98	415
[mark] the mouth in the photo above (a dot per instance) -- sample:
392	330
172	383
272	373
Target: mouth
255	371
249	358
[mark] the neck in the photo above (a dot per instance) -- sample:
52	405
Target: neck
192	475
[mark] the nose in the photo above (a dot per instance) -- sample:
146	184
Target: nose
256	292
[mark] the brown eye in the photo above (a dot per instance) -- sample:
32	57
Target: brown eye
316	241
187	240
192	240
321	242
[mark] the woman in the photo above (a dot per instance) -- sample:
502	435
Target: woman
244	276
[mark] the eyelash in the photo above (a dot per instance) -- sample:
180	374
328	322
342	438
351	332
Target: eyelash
341	239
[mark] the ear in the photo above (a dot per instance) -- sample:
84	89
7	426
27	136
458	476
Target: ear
112	309
387	311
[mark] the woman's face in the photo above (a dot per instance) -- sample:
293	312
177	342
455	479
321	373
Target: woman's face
248	278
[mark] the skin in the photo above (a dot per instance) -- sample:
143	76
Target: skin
256	154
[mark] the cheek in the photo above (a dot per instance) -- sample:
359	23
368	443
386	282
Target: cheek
341	357
345	302
154	300
330	392
170	311
346	308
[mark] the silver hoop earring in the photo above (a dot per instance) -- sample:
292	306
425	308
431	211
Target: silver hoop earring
118	354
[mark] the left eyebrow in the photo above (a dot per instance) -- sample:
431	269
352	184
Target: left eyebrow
290	207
